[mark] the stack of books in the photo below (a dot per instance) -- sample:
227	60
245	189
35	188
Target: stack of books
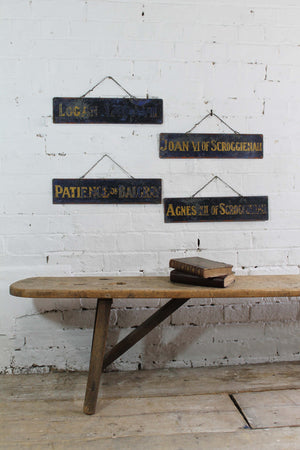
201	271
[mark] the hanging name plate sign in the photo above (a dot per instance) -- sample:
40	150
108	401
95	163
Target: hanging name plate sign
185	145
215	209
106	190
107	110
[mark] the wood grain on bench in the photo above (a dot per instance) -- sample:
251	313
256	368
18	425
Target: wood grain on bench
153	287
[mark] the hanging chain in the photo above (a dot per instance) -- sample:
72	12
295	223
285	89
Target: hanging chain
108	78
99	160
212	114
216	177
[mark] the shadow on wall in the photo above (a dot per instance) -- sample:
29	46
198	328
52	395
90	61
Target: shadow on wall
70	323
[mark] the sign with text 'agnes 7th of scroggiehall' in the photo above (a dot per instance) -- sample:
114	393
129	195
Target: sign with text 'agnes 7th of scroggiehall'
83	110
194	145
216	209
109	190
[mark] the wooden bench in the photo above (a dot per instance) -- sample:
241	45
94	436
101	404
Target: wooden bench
105	289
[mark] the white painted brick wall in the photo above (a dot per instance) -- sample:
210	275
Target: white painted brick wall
240	59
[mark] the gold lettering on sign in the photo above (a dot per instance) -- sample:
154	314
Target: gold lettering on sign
164	148
170	210
185	146
205	145
151	111
222	208
60	110
93	191
213	145
183	210
66	193
231	210
58	191
214	210
178	146
235	146
203	210
195	146
84	192
78	111
73	190
174	146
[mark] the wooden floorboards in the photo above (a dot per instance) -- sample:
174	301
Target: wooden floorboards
240	407
271	408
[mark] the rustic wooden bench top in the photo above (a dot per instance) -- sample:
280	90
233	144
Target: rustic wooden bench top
153	287
107	288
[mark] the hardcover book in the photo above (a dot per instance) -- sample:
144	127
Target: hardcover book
202	267
221	281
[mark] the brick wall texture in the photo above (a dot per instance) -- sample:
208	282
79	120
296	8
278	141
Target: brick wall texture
239	58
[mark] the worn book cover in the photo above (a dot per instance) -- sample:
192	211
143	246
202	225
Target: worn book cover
222	281
202	267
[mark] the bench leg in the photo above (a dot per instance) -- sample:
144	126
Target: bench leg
97	354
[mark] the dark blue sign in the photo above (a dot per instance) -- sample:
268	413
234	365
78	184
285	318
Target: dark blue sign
176	145
117	190
216	209
107	110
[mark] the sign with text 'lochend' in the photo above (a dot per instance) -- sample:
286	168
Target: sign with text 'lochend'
185	145
216	209
107	110
117	190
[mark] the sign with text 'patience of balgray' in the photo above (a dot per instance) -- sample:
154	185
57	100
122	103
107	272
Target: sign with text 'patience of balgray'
216	209
117	190
185	145
107	110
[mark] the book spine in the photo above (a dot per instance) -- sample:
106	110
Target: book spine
186	268
182	278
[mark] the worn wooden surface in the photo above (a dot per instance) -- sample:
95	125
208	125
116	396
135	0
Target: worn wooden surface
268	439
131	417
164	409
271	408
153	287
149	383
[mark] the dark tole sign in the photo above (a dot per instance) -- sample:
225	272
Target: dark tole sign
176	145
117	190
107	110
215	209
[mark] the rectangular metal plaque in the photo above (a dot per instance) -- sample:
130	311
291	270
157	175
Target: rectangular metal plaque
180	145
117	190
215	209
107	110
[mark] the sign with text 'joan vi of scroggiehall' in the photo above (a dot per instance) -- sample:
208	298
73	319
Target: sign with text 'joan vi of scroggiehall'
192	145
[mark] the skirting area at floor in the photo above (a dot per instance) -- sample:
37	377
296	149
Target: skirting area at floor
238	407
